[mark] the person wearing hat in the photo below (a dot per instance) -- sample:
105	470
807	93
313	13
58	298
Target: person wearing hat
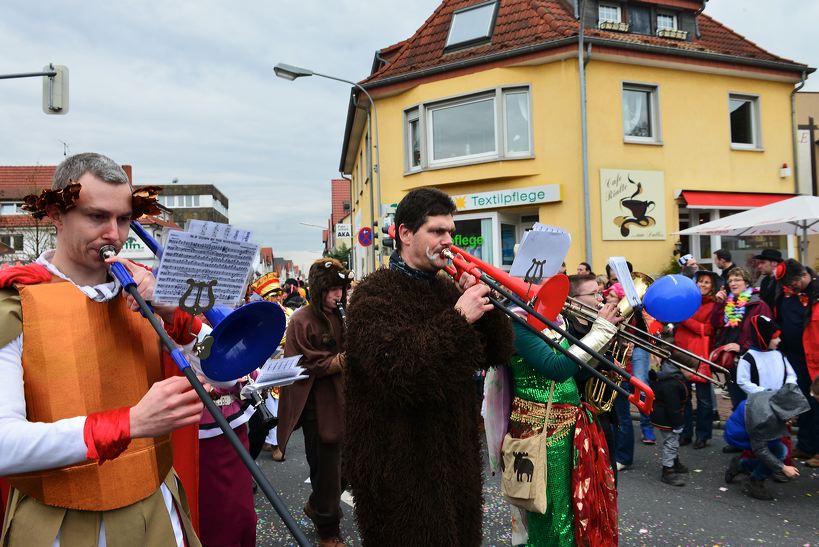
762	367
758	424
262	437
766	263
316	404
694	335
688	265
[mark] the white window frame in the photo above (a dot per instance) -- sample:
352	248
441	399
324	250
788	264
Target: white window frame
423	113
756	124
654	114
467	157
673	17
607	6
493	5
411	116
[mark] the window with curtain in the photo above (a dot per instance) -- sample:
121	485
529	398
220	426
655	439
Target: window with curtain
640	113
493	125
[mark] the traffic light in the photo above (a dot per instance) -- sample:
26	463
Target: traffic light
387	240
55	90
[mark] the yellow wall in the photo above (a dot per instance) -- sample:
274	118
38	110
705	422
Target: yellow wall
695	155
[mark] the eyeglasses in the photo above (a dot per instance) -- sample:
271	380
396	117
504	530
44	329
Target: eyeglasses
596	294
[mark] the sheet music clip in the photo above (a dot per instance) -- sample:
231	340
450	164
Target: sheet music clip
196	308
534	275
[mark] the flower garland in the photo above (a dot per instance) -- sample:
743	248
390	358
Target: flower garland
735	307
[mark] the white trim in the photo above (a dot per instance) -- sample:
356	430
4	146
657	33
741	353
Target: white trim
628	58
756	121
653	91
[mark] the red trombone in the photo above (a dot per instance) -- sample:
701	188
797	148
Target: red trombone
543	303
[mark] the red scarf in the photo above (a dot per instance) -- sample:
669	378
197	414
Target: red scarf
594	497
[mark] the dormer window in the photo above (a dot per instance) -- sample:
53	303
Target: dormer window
666	21
609	13
472	25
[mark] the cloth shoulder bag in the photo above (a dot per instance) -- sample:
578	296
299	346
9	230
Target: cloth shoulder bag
523	483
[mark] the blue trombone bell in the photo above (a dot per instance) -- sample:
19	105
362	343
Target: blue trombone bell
243	339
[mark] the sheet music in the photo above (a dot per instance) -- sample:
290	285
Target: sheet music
217	230
618	264
205	258
541	253
277	369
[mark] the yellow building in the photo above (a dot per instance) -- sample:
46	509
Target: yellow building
684	121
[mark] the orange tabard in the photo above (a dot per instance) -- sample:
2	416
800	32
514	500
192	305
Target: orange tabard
79	357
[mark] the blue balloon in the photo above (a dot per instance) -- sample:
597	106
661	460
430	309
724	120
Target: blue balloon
672	298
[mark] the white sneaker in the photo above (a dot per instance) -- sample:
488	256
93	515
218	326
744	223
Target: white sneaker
622	466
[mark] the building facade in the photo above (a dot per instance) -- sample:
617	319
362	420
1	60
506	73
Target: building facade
194	202
670	119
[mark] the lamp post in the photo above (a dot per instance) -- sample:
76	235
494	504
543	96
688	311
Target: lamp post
290	72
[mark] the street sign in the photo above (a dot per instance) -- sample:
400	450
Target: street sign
344	231
365	236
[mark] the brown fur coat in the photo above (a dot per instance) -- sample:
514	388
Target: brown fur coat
412	448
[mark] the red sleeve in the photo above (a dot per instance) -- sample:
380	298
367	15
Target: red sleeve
184	328
30	274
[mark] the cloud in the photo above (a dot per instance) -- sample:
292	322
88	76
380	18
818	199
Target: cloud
185	90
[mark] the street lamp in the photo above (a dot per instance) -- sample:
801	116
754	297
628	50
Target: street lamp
290	72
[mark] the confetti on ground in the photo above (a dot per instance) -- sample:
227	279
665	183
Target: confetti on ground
723	489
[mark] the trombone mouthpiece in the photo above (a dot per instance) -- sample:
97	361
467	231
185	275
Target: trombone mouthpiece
107	251
447	253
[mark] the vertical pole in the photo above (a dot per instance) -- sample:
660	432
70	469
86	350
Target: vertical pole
584	137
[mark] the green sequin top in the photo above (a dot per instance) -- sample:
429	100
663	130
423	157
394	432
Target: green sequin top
533	385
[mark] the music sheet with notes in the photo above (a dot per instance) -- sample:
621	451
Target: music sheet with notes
208	252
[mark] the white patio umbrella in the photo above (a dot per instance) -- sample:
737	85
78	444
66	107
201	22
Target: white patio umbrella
797	216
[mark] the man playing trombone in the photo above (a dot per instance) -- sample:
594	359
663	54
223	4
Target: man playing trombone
414	342
82	380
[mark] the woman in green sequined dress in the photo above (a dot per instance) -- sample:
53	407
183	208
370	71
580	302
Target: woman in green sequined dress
533	369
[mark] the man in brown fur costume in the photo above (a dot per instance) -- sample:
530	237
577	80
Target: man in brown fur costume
414	342
315	404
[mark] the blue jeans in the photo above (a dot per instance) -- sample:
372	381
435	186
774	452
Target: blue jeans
700	425
639	367
624	432
758	470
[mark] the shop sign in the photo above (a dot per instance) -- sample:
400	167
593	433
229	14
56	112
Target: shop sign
344	231
507	198
632	204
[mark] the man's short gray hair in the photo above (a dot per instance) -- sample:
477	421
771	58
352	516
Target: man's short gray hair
102	167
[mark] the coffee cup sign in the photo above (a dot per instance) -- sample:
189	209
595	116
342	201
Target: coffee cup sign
632	205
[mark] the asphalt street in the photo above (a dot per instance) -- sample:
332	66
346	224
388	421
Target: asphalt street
704	512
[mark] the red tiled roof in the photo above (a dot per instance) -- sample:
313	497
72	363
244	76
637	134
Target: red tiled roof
266	255
22	221
339	192
18	181
522	23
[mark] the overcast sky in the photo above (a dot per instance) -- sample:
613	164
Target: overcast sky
185	89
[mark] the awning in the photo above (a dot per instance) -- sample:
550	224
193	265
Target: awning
697	199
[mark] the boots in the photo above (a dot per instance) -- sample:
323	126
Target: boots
671	477
678	467
757	489
733	470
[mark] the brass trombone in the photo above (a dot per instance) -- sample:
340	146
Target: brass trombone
546	300
655	345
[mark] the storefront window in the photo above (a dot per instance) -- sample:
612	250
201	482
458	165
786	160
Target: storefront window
475	237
